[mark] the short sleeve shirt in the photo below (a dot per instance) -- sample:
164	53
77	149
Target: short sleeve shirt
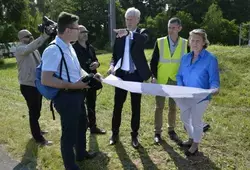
52	56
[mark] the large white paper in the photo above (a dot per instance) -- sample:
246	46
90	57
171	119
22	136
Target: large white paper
185	97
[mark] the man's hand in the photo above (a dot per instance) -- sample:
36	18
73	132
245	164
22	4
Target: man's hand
80	85
49	30
94	65
111	70
215	91
98	77
153	80
121	32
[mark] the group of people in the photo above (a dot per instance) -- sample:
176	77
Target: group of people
175	61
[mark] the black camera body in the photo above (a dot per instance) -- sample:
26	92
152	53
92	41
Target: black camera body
48	22
92	82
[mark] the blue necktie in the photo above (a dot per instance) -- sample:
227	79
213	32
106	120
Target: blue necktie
131	63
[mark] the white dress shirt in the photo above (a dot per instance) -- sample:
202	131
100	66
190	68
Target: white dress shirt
125	62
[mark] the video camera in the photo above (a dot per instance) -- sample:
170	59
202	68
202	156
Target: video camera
92	82
48	22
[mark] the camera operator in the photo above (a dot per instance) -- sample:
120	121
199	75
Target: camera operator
28	58
88	61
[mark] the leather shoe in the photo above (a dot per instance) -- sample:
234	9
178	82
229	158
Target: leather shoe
157	138
88	155
113	139
135	142
45	143
173	135
206	127
96	130
188	153
43	132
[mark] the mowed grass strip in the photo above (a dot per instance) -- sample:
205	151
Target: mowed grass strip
225	146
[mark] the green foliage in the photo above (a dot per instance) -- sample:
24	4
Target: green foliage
1	61
220	18
188	23
219	30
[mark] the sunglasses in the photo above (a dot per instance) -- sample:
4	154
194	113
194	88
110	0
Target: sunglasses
82	32
28	36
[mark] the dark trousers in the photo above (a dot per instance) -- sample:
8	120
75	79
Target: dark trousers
91	103
120	97
74	124
34	102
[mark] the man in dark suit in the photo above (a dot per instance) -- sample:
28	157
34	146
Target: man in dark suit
130	61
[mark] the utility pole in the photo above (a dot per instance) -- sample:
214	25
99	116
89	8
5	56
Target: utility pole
249	35
240	36
112	22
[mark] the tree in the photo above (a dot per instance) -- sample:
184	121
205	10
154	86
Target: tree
15	16
188	23
219	30
233	9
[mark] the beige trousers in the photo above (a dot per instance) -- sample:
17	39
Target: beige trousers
160	104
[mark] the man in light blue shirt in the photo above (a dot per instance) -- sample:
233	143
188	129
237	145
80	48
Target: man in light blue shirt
68	101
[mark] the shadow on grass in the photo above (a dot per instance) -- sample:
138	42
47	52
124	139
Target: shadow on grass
29	160
100	162
191	163
7	66
124	158
146	161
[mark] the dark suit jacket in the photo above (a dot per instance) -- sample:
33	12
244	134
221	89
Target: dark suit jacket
136	51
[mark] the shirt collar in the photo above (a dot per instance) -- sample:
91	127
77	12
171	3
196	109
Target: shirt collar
61	43
201	54
171	41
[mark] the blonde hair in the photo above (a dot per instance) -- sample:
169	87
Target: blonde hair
202	33
133	12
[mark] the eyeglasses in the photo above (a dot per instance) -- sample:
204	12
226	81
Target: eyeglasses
28	36
82	32
74	28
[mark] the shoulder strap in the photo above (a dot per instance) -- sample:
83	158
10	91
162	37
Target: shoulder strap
62	61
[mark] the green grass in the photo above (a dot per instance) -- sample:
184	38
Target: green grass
225	146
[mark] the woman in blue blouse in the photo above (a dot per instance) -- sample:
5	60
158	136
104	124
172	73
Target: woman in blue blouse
199	69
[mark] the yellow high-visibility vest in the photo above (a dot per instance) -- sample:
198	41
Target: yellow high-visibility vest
168	65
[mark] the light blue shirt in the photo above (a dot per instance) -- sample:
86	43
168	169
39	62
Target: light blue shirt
172	45
203	73
52	56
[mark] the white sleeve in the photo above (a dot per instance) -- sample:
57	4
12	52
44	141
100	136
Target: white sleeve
51	58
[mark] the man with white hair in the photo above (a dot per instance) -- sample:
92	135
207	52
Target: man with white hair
130	61
28	58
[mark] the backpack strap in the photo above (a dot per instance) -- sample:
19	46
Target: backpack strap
63	61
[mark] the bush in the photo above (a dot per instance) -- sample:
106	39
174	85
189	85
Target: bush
1	61
188	24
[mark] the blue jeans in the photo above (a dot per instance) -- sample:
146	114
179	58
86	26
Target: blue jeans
74	125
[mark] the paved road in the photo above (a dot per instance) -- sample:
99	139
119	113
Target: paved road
7	163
